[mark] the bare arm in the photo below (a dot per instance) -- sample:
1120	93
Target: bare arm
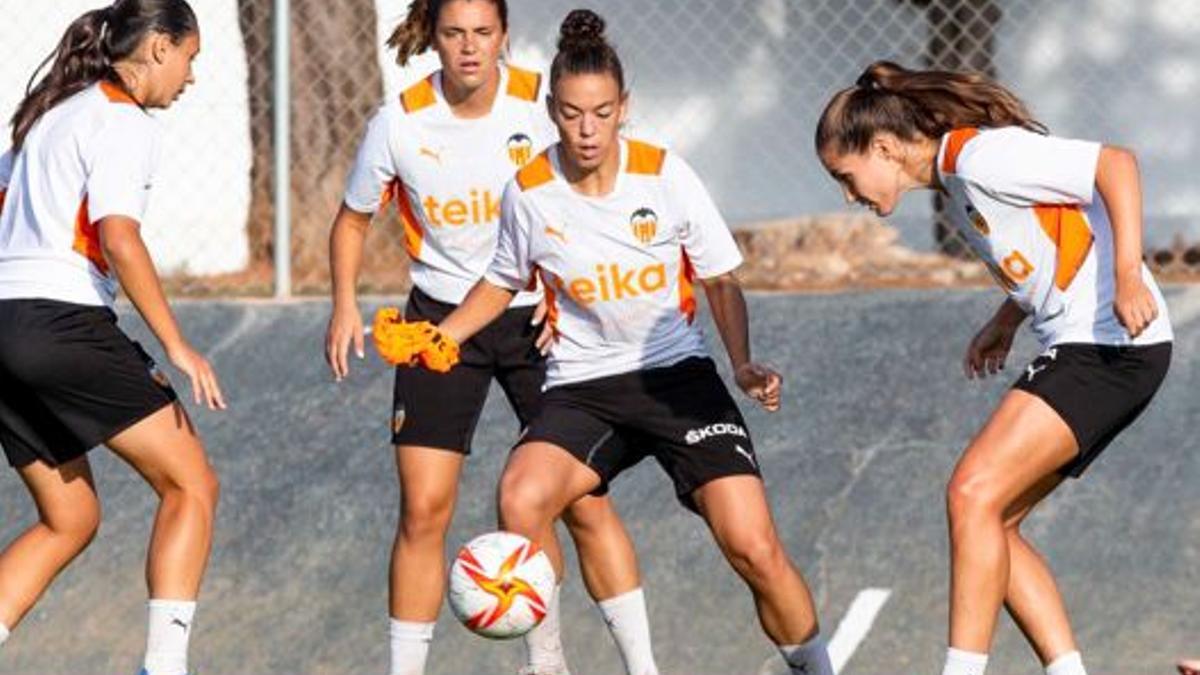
121	242
728	307
483	305
1119	183
345	261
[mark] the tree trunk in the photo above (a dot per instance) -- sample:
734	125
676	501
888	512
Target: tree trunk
336	85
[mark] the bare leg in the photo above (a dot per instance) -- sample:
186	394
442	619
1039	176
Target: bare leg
1023	443
606	555
68	517
166	451
428	490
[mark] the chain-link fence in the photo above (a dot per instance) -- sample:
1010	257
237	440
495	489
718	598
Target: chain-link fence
734	85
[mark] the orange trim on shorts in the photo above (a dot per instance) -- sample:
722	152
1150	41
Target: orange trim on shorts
1072	236
524	84
115	93
536	173
687	291
955	142
419	96
87	239
414	234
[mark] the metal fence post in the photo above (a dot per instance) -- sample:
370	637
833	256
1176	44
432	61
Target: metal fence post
282	106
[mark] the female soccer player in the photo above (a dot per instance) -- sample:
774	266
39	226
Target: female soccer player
1059	224
616	230
73	190
443	153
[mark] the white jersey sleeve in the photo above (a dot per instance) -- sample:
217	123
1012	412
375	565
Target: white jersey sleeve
1028	168
121	167
706	237
374	166
511	266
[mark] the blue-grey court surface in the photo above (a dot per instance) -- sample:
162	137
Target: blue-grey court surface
875	414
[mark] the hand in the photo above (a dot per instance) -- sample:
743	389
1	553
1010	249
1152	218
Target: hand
345	326
1189	667
989	349
205	388
546	337
1134	304
760	383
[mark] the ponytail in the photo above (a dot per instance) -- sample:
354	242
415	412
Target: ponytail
916	103
90	47
584	48
414	35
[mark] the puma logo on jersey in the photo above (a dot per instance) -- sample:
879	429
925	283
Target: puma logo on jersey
645	225
557	234
520	149
435	156
614	283
479	208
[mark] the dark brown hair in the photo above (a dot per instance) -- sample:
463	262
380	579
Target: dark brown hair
414	35
583	48
91	45
916	103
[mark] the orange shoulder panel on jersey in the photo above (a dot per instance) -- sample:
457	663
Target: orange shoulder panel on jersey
115	93
87	238
687	292
419	96
536	173
645	159
2	193
1068	229
524	84
954	146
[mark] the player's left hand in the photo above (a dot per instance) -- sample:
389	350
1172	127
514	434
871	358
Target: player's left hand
1134	304
546	335
760	383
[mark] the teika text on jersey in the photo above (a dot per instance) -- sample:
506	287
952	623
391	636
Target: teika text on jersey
612	282
480	208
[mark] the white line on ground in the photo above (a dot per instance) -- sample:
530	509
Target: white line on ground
849	634
855	625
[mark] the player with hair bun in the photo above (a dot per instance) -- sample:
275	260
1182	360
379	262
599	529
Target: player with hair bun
617	230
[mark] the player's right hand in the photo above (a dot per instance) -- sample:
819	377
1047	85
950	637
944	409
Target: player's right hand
205	388
345	327
760	383
988	350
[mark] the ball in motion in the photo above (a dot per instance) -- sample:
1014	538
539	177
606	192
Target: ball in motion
501	585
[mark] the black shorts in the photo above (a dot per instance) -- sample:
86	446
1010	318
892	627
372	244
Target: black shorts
1098	390
69	380
682	415
440	410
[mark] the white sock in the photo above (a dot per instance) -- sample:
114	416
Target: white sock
959	662
543	644
410	646
630	628
167	634
1070	663
810	658
3	633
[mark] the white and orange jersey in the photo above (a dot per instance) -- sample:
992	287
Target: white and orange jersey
1027	205
447	174
617	270
90	157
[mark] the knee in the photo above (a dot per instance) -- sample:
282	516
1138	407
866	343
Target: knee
971	496
78	525
758	557
424	515
523	506
201	488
